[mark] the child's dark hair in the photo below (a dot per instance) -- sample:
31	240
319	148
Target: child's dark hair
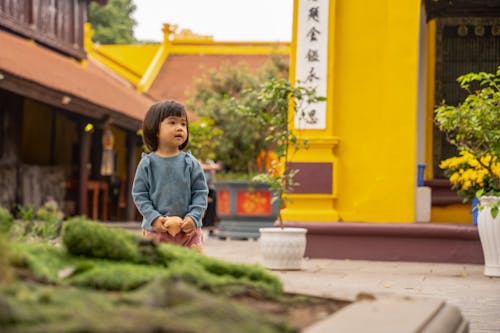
155	115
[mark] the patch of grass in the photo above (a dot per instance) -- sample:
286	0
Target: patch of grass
162	288
5	269
46	263
121	276
6	220
90	239
217	272
162	306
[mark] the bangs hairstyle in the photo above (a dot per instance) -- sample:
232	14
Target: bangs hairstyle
155	115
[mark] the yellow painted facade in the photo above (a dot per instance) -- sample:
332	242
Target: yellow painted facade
374	112
372	98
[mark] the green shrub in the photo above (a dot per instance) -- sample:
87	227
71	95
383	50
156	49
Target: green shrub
6	220
26	214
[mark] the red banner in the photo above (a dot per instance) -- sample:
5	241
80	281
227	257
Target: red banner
253	203
223	202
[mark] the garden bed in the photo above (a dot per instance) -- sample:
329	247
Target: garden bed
97	279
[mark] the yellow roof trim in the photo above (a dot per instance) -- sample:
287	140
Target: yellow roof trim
154	68
230	49
117	67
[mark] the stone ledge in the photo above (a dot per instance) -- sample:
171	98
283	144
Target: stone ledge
419	242
394	314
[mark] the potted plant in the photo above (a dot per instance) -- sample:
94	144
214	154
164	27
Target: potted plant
474	128
281	247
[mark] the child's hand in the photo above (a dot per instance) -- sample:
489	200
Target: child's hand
188	226
172	224
158	224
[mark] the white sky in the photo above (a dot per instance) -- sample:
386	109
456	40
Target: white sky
225	20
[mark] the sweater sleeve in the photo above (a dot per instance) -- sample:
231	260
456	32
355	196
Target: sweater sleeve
199	193
140	194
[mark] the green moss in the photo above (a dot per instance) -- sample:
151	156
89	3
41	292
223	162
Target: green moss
162	306
43	260
46	262
91	239
250	274
117	277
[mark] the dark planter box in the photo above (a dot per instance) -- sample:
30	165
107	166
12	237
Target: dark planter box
243	208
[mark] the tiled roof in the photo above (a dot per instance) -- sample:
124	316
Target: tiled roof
90	81
180	72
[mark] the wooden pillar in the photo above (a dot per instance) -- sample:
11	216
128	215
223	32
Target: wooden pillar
11	119
131	166
11	112
83	176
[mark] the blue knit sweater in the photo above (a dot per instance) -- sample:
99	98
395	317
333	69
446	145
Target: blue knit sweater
170	186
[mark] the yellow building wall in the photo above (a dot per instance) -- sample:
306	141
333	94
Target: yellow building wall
456	213
375	107
373	104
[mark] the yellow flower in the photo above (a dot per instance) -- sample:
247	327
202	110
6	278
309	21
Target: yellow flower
454	178
496	169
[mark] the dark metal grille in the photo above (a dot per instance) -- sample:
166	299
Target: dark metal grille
463	45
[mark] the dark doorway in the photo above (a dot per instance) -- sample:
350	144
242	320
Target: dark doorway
463	45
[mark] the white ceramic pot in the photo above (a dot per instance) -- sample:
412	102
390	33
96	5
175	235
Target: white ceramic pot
282	248
489	234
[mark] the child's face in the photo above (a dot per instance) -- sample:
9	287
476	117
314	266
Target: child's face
172	132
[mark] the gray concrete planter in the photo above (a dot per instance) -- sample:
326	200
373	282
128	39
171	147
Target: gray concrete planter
243	208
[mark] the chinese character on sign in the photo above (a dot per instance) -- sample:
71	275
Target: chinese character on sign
312	55
312	59
311	117
313	34
314	14
312	76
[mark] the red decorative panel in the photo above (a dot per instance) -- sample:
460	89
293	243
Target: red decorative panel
253	203
223	202
312	177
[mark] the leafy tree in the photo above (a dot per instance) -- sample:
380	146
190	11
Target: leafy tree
220	96
113	23
204	138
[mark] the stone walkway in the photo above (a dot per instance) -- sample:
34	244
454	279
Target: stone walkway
465	286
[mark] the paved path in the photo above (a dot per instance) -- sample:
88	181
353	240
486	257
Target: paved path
476	295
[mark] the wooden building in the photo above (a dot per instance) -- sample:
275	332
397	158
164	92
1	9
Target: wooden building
61	113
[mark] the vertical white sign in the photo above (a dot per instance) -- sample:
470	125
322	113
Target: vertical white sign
312	60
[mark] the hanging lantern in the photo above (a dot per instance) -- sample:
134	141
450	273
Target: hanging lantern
108	156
